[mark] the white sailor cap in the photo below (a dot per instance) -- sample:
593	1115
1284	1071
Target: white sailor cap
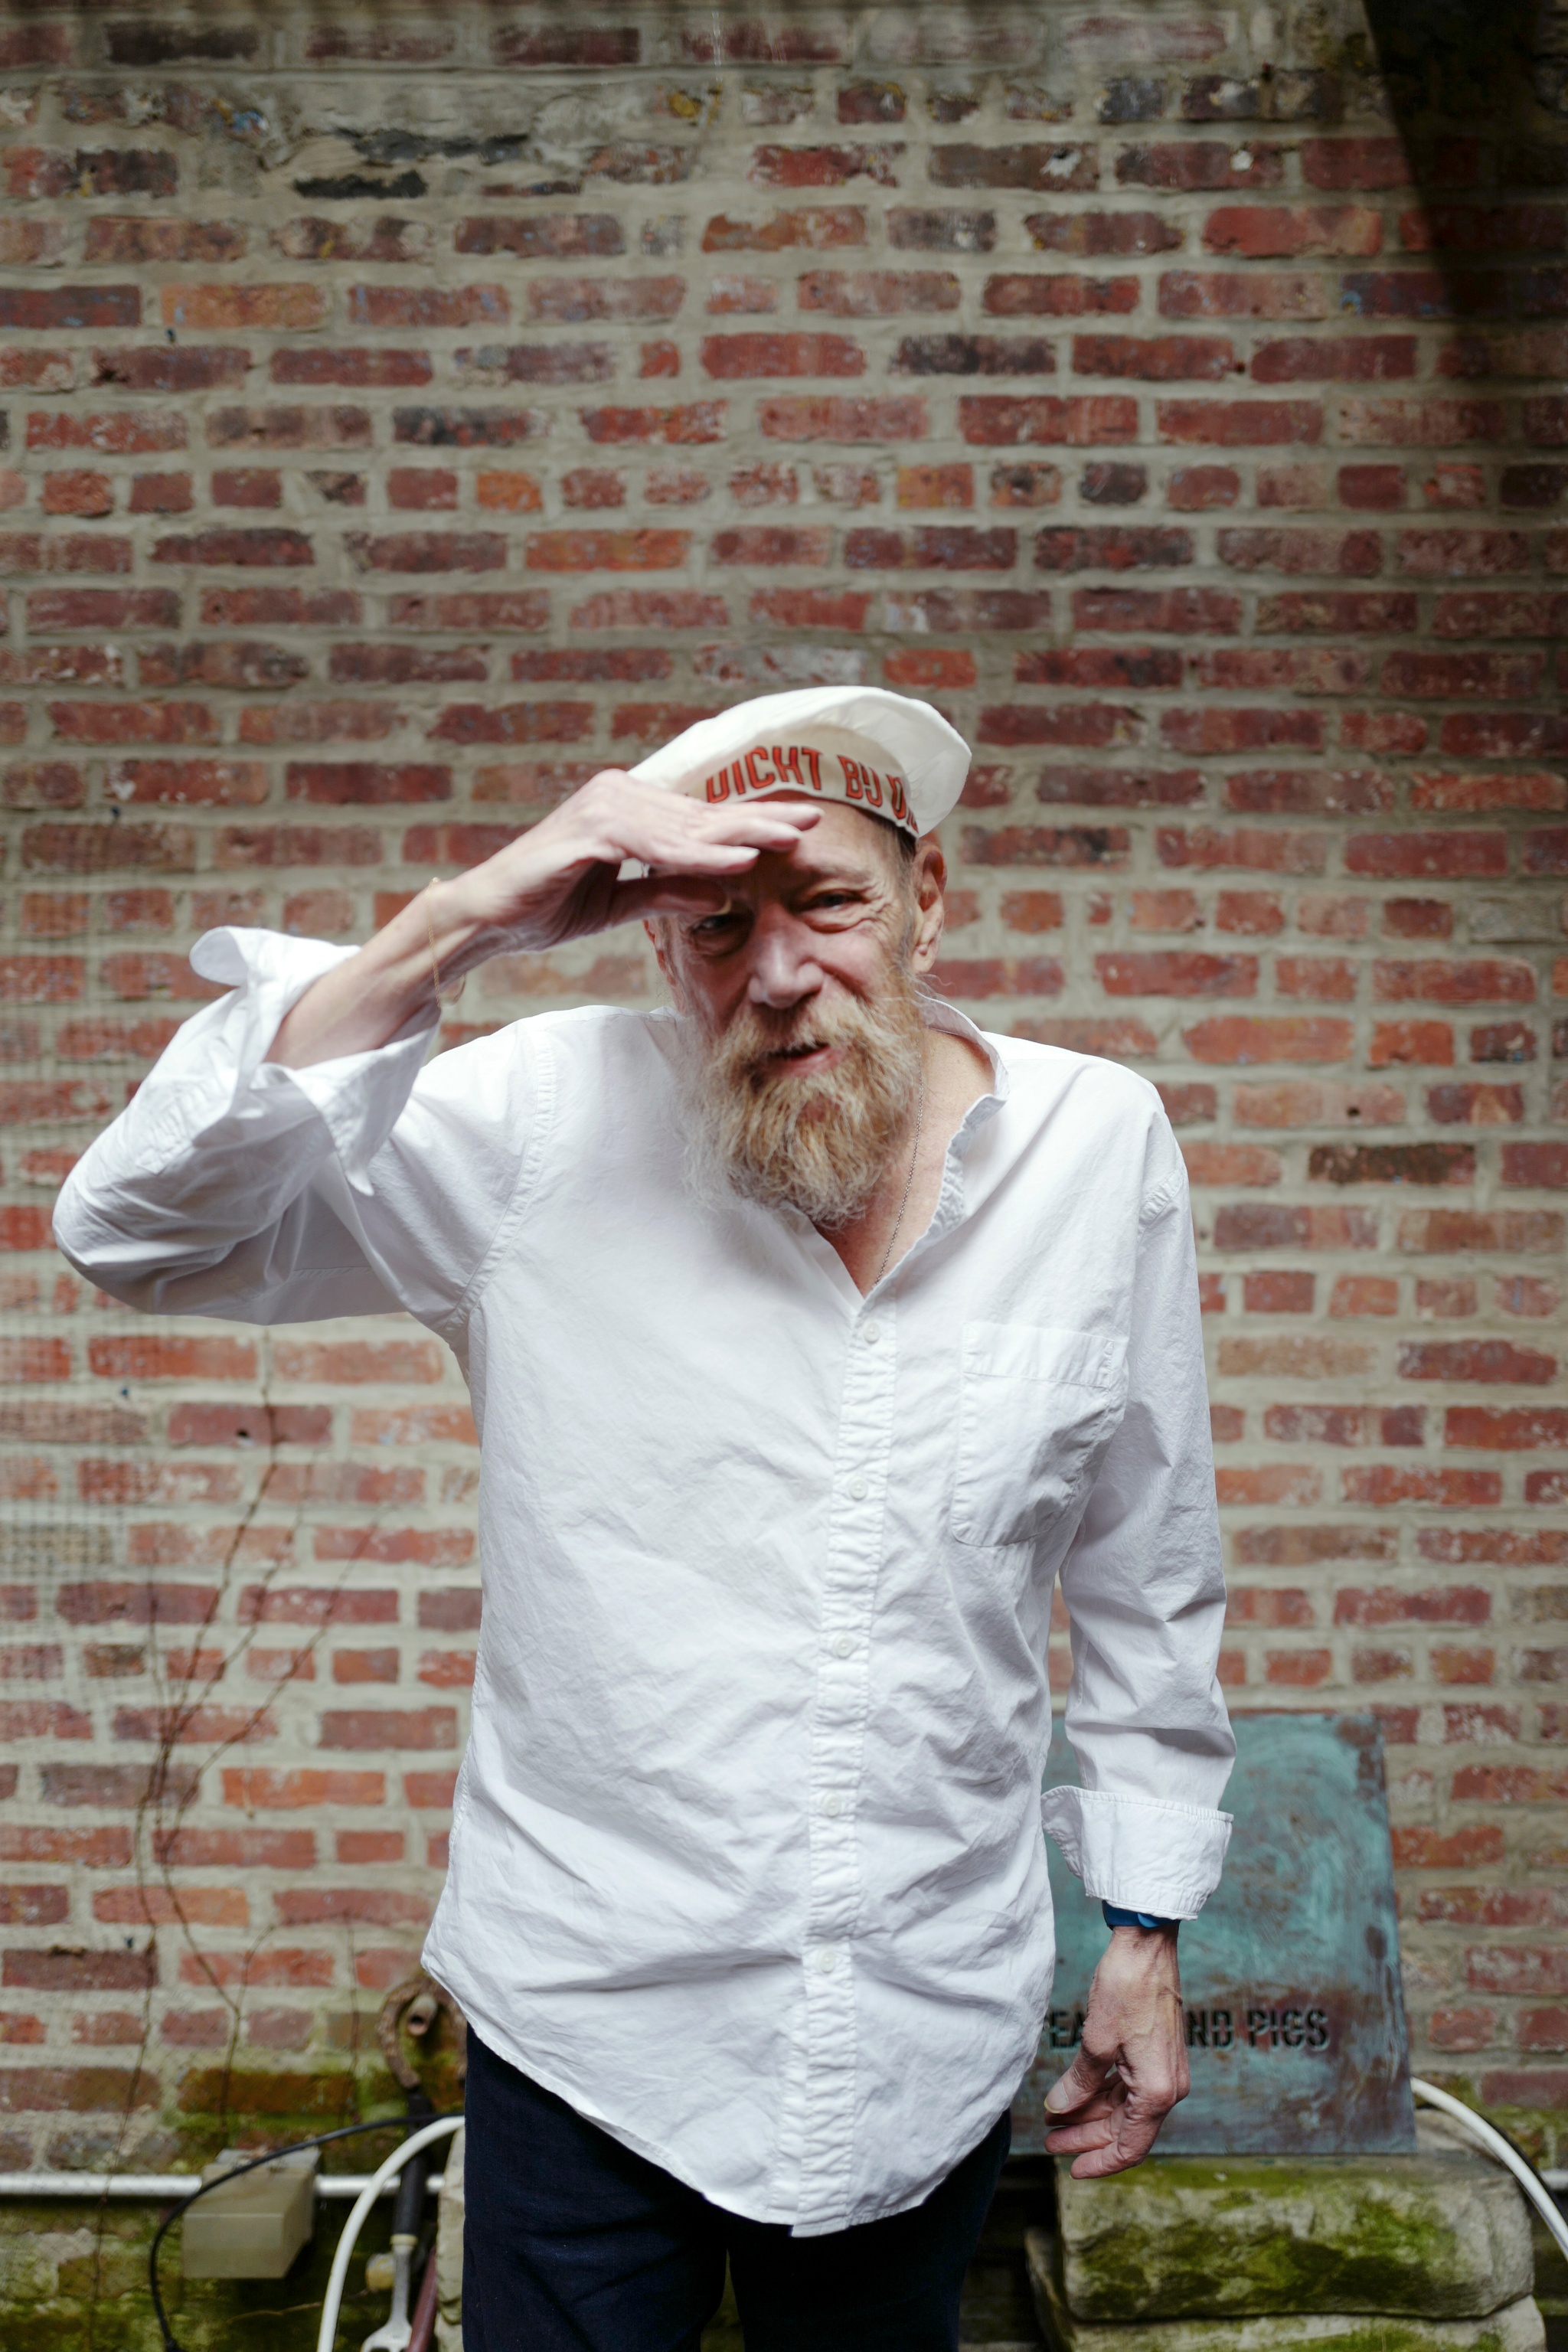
876	751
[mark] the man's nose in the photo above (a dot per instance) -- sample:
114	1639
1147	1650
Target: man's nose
784	966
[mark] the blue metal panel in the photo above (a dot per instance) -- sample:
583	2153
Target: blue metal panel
1296	2027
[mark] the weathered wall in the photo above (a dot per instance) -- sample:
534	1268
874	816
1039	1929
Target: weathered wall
410	410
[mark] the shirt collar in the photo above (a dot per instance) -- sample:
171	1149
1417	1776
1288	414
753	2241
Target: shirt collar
938	1014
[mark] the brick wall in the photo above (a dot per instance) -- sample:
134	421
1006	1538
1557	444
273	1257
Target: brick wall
409	412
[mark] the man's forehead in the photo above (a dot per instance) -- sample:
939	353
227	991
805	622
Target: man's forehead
843	841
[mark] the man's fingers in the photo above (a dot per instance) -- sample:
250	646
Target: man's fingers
665	828
1072	2140
664	894
1115	2131
1126	2142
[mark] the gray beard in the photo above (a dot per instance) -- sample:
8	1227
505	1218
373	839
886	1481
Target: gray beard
819	1143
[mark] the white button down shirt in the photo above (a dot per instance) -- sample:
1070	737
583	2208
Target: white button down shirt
746	1855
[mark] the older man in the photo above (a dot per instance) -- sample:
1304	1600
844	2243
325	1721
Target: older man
813	1336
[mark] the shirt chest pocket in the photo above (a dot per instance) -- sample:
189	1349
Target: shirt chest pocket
1038	1404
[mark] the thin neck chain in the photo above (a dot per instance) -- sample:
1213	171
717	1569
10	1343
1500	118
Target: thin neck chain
909	1182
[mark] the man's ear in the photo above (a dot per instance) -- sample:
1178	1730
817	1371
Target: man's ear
929	880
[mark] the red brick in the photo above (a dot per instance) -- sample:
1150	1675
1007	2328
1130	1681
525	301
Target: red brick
824	167
94	1849
1255	294
1280	1482
1161	358
429	1790
1423	1042
1184	612
193	1725
1047	845
427	550
1453	553
1468	1104
1541	1165
1236	1038
1491	1430
264	1789
1475	1360
1049	170
1535	2087
1300	1669
997	420
356	370
57	309
1231	1163
78	1972
382	1728
696	423
1265	231
1129	667
1448	1231
410	306
1198	164
1173	974
1084	724
1238	424
1221	728
1465	794
1436	981
1192	490
765	355
197	1907
876	293
1249	849
1383	1485
1112	547
1060	296
1410	856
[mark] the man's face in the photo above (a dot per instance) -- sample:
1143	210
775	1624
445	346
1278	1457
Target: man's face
803	997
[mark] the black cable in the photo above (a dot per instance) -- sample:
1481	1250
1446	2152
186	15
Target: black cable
296	2147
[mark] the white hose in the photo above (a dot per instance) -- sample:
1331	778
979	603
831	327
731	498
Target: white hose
366	2199
1495	2145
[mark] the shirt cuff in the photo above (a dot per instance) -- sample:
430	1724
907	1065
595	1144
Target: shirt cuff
358	1097
1136	1852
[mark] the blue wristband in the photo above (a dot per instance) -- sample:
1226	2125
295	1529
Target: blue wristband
1115	1917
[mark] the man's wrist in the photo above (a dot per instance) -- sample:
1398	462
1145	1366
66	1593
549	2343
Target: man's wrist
1116	1916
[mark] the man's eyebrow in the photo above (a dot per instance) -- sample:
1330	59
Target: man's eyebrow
838	870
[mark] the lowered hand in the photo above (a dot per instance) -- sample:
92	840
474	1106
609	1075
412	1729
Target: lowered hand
1131	2064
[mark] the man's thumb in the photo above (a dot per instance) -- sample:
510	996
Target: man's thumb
1083	2077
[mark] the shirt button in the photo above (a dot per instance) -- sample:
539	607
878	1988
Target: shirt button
858	1490
844	1646
826	1958
872	1334
832	1803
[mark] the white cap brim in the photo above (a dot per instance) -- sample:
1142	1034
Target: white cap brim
919	750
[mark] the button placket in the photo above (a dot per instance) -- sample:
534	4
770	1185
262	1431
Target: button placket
838	1725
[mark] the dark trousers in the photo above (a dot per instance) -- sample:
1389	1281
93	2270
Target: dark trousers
572	2243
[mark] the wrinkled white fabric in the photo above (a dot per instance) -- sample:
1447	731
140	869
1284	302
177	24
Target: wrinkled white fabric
746	1854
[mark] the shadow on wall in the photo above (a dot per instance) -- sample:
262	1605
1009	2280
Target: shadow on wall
1478	98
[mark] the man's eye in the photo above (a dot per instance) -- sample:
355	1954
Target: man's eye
708	926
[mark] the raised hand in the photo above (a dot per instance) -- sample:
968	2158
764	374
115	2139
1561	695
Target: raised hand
560	880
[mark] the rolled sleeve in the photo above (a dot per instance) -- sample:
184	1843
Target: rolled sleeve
358	1097
1164	1859
192	1199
